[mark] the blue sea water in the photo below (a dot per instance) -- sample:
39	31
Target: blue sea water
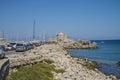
108	54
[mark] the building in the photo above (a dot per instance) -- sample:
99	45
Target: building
61	37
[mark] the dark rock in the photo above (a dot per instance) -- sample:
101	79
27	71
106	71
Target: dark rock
92	64
95	63
118	63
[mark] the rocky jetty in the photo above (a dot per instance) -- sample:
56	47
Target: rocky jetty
75	69
64	41
81	45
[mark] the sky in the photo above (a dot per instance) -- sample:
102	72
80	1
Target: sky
79	19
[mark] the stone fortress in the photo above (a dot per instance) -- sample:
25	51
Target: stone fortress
64	41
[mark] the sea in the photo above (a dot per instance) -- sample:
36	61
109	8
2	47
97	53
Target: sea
108	54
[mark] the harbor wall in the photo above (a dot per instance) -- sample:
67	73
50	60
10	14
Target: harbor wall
4	68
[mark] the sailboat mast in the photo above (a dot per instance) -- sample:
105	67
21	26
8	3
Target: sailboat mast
34	30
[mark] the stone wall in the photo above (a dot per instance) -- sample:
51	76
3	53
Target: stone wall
4	68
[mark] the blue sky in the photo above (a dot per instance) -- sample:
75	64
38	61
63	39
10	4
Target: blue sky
80	19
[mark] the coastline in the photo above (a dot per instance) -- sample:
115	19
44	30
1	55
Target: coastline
75	69
107	54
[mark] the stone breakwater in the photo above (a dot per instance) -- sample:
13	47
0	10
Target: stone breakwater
79	45
75	68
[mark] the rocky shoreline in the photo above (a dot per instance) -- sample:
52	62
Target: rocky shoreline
75	69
